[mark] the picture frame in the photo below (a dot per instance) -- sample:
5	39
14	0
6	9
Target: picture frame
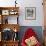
30	13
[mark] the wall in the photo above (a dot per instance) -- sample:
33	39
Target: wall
39	13
27	3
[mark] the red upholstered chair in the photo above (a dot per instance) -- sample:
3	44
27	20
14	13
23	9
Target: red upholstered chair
28	34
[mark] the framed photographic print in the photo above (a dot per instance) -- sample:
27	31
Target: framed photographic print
30	13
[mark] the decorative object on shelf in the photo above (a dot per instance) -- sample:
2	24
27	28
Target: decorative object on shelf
13	12
5	12
6	21
15	3
15	34
15	30
15	37
7	34
30	13
9	10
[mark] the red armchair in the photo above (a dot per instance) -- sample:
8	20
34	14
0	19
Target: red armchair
29	36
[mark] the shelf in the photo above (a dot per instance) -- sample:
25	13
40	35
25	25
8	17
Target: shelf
5	12
10	26
9	19
4	8
9	10
11	41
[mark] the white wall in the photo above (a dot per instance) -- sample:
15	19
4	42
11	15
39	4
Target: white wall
27	3
39	13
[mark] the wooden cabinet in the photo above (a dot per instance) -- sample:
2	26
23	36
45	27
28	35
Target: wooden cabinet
7	26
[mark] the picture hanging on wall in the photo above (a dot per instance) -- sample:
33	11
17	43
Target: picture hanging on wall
30	13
